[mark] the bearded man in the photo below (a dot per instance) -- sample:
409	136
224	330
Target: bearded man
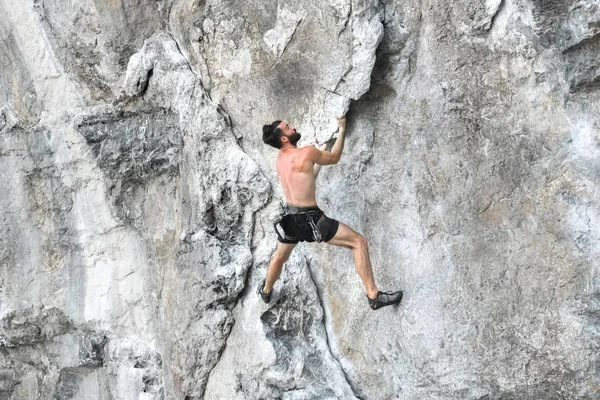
304	220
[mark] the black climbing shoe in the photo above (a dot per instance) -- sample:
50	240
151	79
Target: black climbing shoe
385	299
266	297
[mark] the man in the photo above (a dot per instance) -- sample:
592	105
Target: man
304	221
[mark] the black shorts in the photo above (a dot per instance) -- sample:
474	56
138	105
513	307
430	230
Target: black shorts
297	226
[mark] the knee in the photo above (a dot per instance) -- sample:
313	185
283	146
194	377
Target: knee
279	258
361	242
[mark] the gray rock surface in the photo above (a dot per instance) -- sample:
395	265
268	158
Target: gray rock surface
136	219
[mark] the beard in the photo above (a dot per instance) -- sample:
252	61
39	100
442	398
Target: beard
294	138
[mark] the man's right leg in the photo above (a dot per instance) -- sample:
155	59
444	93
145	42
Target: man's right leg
281	255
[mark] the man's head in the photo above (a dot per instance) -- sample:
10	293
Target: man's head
279	133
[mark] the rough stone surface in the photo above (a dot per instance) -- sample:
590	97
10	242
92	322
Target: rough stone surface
138	199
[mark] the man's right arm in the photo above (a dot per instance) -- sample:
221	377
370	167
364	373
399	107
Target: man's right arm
323	157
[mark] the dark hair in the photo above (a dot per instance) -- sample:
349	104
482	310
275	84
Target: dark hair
272	134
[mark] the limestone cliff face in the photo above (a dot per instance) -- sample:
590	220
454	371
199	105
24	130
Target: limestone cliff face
138	197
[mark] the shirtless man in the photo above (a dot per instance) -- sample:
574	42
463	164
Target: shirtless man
304	221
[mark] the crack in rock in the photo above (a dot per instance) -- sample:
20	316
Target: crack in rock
355	389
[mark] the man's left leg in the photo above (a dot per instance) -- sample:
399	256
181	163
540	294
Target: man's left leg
346	237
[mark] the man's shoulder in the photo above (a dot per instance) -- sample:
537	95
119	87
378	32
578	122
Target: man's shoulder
310	152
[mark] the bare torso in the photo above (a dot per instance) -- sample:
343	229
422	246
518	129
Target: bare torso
297	176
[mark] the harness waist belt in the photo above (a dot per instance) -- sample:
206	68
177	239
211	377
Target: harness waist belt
290	209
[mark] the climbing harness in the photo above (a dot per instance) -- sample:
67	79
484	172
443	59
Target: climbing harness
287	209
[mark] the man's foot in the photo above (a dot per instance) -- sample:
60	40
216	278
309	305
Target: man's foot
385	299
266	297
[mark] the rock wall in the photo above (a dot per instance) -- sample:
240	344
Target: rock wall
138	199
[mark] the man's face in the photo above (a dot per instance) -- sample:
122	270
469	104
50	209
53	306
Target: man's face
290	132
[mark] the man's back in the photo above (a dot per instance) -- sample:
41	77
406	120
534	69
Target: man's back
296	173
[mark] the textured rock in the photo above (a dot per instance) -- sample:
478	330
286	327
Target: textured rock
138	199
94	40
579	41
43	344
293	359
31	326
133	149
318	57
